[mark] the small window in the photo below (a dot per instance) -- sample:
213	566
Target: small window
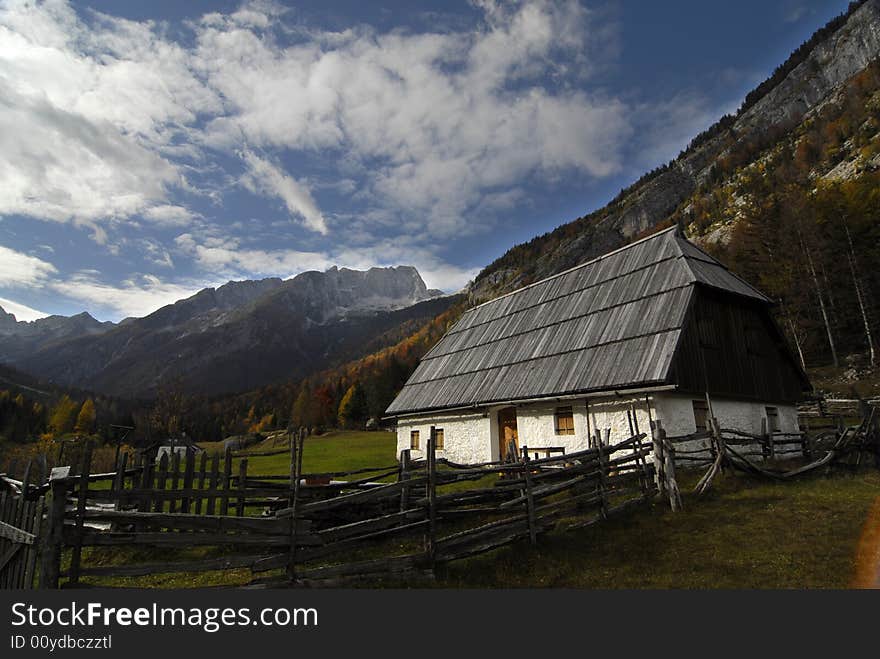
564	420
772	419
414	440
701	415
438	439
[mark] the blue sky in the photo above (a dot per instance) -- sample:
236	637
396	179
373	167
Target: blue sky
150	149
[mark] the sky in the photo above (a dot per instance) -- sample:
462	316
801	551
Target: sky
149	149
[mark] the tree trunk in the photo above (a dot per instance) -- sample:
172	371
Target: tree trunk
851	257
797	342
821	303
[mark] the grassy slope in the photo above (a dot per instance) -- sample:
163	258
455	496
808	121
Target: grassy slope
744	534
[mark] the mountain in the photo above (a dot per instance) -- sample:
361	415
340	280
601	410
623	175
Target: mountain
813	73
243	334
21	338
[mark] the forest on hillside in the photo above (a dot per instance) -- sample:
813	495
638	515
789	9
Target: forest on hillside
799	220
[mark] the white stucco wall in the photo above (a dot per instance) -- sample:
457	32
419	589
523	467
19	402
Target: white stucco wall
536	426
677	414
473	436
466	437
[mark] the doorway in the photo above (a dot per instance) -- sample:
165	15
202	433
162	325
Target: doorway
507	432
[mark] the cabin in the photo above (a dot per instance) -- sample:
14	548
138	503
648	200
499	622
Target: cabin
657	329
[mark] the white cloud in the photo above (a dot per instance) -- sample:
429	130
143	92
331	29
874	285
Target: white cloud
267	178
226	258
86	111
21	311
435	120
430	135
170	215
17	269
138	296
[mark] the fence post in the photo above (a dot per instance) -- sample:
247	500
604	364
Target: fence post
175	479
76	555
669	468
36	528
188	475
242	485
213	483
200	483
603	485
530	500
404	477
767	437
431	493
52	541
295	477
642	464
657	435
161	480
227	481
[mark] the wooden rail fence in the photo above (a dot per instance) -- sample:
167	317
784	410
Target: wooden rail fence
393	521
20	529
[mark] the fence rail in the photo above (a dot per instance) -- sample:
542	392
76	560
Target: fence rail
435	510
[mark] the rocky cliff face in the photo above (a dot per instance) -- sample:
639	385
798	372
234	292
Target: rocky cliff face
243	334
822	72
339	292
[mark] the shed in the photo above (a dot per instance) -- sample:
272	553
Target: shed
652	330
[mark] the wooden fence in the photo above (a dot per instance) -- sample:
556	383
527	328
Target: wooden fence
397	521
207	513
20	530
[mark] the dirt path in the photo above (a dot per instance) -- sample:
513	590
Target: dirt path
868	551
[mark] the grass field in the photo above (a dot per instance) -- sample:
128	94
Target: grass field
745	533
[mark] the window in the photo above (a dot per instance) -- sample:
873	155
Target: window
701	415
772	419
564	421
438	439
414	440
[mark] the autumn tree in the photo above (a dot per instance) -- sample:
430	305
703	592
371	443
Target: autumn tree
85	420
353	407
62	419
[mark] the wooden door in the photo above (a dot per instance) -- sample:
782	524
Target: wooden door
507	432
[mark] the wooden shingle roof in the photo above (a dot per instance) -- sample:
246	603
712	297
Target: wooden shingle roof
609	324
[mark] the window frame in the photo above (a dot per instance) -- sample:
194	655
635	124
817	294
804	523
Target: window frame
567	413
415	441
440	434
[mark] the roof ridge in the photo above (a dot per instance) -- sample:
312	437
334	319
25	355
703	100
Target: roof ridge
711	260
577	267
